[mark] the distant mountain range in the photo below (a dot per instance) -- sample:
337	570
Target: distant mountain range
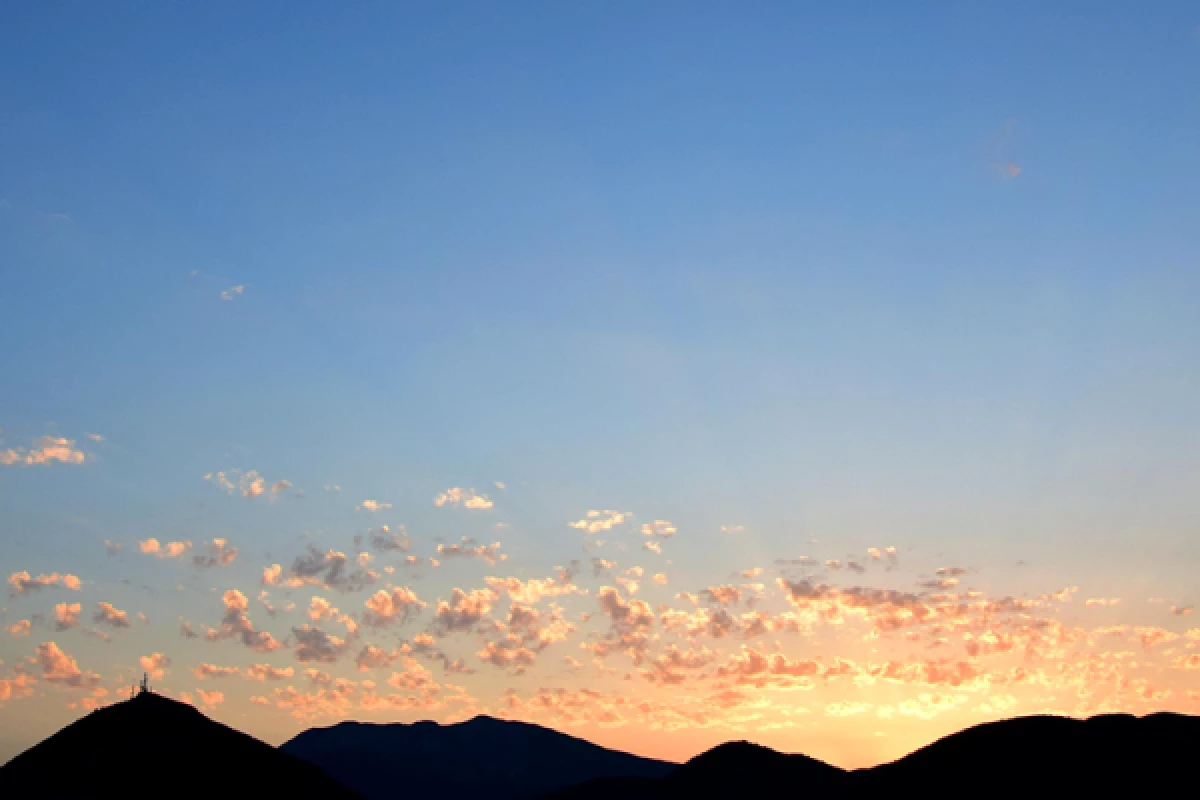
1115	755
152	746
482	757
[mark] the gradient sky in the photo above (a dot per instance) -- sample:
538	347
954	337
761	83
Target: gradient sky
696	309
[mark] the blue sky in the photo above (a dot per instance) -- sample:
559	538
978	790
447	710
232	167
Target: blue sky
917	275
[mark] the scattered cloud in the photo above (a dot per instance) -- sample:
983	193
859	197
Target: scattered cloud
58	667
236	624
600	521
66	615
314	644
152	547
249	484
110	615
44	451
463	611
660	527
21	583
468	549
458	496
389	607
372	506
218	554
233	291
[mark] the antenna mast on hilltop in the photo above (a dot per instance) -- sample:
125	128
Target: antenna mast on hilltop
145	687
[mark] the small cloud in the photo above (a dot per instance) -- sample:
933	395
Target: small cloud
1182	611
22	582
372	506
45	450
232	290
1007	171
219	554
458	496
249	483
598	521
732	529
500	485
95	437
152	547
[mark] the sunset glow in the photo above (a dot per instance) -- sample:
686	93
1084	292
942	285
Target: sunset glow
662	385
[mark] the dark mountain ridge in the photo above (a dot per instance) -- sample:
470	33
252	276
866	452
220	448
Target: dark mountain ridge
151	746
500	758
1038	756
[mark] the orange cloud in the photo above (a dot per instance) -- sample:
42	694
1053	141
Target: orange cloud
46	450
21	582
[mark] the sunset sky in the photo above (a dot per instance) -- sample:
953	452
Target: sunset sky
665	373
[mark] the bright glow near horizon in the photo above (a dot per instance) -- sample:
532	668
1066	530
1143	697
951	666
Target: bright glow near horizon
663	375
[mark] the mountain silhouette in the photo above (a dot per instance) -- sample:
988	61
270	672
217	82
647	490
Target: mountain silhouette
1104	756
482	756
151	746
1039	756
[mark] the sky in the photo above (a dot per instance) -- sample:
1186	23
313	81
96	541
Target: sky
664	373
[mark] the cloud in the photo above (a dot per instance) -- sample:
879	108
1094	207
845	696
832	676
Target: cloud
329	569
1102	601
314	644
732	529
371	657
271	575
236	624
1008	171
631	621
774	670
600	521
210	699
248	484
46	450
266	672
321	609
232	291
467	498
219	554
155	665
509	653
722	594
531	591
66	615
386	540
468	549
372	505
464	611
206	671
113	617
385	608
58	667
112	548
660	527
152	547
21	583
19	686
1182	611
20	628
672	666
